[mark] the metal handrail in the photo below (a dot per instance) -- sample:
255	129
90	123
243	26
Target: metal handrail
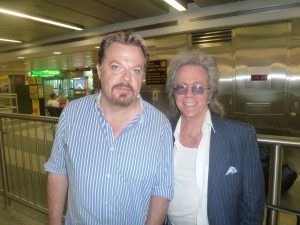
276	156
285	210
29	117
12	122
282	140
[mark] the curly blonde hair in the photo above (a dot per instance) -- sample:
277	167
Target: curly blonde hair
195	57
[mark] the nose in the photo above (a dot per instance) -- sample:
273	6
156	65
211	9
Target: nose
126	75
189	92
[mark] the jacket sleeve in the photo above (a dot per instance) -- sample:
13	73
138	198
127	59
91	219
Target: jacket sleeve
252	204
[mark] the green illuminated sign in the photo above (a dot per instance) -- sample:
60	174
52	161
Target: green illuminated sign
45	73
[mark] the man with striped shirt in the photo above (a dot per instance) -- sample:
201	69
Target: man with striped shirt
112	154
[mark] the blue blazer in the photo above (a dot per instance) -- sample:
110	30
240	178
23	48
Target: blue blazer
235	177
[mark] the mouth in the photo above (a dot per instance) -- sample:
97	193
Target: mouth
123	87
189	104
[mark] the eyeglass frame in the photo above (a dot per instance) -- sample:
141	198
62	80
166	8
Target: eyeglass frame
186	88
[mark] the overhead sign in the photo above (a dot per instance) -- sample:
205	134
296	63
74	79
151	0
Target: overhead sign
156	72
45	73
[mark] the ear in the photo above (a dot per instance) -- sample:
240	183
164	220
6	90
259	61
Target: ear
209	97
99	70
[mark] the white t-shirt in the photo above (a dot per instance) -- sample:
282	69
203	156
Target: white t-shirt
53	102
189	205
183	208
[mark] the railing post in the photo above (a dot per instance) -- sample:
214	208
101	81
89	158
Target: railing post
274	190
3	169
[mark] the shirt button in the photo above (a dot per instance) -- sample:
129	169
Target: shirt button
108	176
111	149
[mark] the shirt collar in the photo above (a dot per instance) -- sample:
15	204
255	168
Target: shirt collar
141	115
208	121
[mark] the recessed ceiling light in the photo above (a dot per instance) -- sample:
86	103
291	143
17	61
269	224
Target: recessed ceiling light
9	40
56	53
21	57
176	4
14	13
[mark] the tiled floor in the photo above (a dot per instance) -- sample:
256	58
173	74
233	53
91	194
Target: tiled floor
10	217
20	215
291	200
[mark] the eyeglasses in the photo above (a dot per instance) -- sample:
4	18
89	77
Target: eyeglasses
182	89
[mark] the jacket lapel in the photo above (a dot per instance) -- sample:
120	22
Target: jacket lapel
217	157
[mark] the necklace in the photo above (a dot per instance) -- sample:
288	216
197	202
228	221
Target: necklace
195	139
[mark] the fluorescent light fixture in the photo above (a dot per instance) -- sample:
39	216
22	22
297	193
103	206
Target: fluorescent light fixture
8	40
175	4
9	12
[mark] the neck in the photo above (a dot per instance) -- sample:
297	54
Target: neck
120	116
190	135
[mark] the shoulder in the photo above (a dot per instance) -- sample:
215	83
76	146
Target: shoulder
81	106
83	101
228	123
151	110
152	113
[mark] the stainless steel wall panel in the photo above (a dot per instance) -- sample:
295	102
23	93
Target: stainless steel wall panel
249	61
293	108
295	31
171	42
261	50
261	31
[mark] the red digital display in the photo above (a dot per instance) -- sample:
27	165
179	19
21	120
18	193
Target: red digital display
258	77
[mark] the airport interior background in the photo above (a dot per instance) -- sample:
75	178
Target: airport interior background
51	46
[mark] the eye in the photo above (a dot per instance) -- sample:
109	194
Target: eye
136	71
198	89
181	89
115	67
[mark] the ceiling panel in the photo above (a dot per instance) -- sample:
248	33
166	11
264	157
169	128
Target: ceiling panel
206	3
90	14
86	13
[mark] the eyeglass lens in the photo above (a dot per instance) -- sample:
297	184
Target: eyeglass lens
182	89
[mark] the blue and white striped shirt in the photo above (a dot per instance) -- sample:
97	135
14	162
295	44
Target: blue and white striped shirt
111	181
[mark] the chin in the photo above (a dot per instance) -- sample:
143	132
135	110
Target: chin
123	101
189	115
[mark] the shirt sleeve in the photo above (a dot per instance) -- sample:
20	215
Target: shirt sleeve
165	173
56	163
